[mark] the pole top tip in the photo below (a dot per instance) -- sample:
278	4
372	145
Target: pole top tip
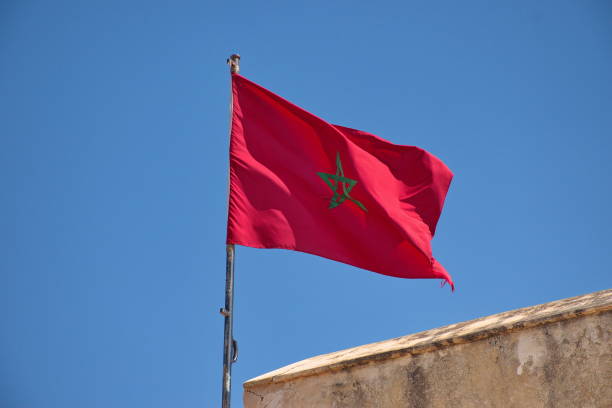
234	62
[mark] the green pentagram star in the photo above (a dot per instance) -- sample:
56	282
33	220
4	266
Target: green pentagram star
335	180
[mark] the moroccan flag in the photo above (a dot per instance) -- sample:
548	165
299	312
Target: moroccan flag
300	183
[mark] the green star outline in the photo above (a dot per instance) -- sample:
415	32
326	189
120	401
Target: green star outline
347	186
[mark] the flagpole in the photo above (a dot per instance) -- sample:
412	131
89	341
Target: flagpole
229	344
230	347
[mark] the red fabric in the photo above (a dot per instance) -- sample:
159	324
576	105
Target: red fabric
277	199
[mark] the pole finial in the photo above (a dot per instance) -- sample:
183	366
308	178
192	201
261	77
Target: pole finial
234	62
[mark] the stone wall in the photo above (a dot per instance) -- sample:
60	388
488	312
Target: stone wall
558	354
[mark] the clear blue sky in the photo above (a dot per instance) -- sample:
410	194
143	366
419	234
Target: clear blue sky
114	127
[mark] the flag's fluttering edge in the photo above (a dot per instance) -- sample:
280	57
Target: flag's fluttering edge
300	183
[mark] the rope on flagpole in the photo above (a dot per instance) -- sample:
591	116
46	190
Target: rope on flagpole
230	346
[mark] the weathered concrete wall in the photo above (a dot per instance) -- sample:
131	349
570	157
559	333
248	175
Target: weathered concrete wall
554	355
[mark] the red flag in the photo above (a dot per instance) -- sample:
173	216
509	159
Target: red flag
300	183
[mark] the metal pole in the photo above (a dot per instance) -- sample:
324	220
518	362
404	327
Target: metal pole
230	347
229	344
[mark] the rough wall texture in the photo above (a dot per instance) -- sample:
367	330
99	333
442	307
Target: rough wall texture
554	355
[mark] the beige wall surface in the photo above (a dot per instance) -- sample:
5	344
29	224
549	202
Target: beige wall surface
554	355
